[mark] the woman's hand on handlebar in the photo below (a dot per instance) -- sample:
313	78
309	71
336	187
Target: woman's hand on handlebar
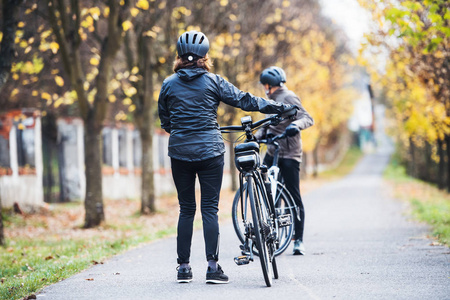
289	112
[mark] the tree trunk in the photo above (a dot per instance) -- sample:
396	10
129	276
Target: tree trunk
427	171
303	166
2	233
315	154
441	169
148	185
412	159
93	160
233	173
147	128
9	26
230	115
447	141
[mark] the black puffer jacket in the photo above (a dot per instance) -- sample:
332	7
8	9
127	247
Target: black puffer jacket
187	108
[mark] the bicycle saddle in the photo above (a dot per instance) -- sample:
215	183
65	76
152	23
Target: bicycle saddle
247	146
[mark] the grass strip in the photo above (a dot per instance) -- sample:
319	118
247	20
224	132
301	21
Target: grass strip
428	203
41	255
29	264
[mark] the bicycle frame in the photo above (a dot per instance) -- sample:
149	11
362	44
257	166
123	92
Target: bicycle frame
274	170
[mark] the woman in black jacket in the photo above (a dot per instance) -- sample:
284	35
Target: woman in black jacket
187	108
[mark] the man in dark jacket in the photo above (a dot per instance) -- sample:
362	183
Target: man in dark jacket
187	107
290	153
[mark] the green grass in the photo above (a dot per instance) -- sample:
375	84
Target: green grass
351	158
437	214
28	265
397	172
428	203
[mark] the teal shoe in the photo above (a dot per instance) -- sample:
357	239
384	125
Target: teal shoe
299	247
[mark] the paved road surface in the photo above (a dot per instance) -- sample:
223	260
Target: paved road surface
360	245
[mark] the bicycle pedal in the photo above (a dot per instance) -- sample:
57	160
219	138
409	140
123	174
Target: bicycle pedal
284	220
242	260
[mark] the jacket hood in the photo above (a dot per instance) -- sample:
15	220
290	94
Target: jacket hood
189	74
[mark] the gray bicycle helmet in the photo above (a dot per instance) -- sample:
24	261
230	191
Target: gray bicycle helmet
192	43
273	76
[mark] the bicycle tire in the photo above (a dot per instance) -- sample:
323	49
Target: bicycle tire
283	204
269	217
274	267
236	214
261	245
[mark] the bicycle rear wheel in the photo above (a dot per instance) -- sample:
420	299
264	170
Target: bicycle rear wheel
240	212
284	205
260	229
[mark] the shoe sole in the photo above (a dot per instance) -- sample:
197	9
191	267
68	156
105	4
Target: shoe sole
298	253
216	281
184	280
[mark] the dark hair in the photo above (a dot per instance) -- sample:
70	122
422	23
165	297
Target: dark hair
203	62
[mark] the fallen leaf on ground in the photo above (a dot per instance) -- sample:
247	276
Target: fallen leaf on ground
90	279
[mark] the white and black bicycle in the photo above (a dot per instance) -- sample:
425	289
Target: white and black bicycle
261	224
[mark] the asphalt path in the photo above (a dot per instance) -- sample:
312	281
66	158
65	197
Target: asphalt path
361	244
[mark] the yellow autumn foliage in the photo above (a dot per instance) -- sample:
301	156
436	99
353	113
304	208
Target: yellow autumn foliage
413	38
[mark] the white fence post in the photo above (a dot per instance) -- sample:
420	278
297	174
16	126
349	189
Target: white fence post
13	152
39	165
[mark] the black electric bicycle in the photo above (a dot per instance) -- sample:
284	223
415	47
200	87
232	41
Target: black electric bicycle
284	203
258	214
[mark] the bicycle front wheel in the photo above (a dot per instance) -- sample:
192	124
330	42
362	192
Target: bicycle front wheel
261	229
283	206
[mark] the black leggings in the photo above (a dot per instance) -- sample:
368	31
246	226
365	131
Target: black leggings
210	173
290	171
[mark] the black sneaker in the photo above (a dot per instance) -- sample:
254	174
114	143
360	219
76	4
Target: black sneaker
216	276
184	274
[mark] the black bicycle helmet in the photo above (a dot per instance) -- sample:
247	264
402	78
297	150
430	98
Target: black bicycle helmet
192	43
273	76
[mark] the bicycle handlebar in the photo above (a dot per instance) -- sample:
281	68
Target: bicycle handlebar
272	140
272	120
252	125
